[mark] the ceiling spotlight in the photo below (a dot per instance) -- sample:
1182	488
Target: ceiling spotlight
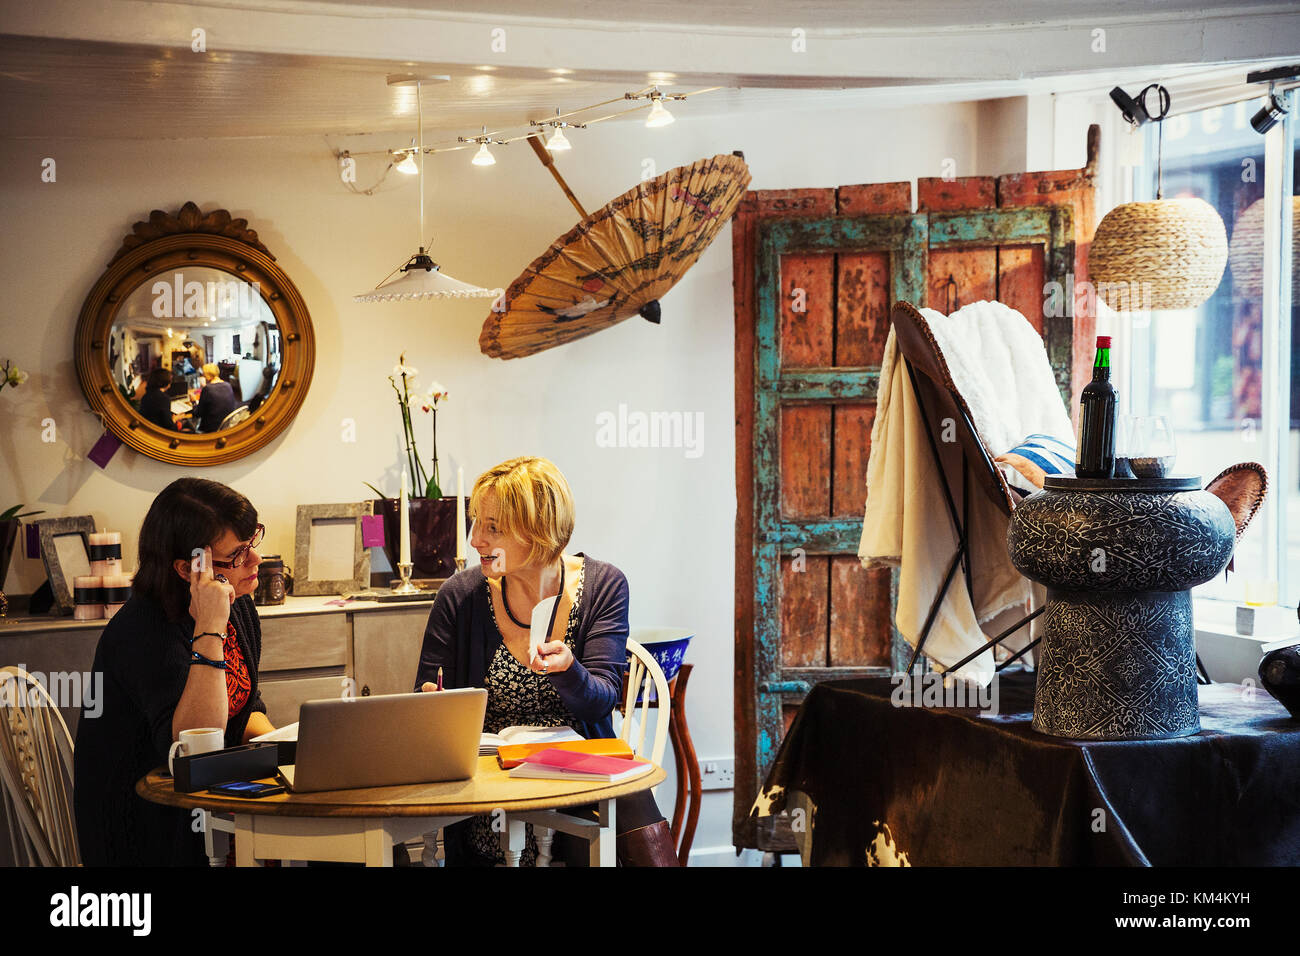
484	155
408	165
1135	110
658	115
557	141
1269	113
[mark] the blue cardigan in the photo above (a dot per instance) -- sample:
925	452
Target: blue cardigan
461	638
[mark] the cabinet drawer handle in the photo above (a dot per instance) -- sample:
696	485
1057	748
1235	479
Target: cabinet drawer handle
365	690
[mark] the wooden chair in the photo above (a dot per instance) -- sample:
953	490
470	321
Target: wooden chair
644	674
36	773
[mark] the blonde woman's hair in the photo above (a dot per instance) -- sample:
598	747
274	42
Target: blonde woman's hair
534	505
211	372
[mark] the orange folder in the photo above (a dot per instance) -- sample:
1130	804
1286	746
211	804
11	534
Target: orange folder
512	755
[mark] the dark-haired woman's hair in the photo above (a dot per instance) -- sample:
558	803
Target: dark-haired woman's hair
189	513
160	378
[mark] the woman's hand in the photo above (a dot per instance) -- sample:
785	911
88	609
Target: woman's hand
552	657
210	597
428	687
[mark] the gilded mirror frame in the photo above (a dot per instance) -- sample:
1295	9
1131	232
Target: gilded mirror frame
192	239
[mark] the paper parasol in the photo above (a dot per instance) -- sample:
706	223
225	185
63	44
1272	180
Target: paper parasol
619	261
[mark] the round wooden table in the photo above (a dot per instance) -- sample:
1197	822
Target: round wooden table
361	825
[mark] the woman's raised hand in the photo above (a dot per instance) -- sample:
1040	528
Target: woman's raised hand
210	598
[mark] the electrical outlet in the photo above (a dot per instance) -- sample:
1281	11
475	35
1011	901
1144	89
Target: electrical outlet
718	774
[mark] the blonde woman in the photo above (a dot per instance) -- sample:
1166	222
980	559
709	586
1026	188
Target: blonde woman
216	401
478	634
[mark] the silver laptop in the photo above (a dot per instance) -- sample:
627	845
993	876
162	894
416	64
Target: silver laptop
387	740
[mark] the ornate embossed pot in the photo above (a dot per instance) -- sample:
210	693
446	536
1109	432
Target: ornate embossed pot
1118	557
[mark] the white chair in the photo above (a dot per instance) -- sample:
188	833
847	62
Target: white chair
36	773
240	414
643	675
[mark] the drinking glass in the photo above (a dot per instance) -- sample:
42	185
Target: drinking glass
1152	449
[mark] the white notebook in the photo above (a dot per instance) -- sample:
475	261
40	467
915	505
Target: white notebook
488	743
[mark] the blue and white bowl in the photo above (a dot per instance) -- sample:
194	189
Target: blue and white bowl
667	645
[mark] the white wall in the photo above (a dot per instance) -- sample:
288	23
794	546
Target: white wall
666	520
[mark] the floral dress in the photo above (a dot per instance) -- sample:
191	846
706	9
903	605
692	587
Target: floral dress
518	696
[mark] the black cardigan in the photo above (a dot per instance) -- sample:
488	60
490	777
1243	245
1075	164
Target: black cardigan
145	662
461	638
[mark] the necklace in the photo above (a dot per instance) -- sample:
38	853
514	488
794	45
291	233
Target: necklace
505	599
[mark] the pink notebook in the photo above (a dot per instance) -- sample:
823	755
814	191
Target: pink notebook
553	762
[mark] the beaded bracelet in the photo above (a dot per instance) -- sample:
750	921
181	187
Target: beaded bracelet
205	634
197	658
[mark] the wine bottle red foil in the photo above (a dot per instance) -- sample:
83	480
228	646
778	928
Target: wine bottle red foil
1098	408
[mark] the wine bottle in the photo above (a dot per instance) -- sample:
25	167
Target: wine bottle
1098	405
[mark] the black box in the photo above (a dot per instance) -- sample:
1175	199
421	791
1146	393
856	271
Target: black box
248	762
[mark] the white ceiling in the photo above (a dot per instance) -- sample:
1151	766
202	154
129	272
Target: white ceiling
818	14
55	88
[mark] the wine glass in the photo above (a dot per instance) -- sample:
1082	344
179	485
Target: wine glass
1123	446
1152	448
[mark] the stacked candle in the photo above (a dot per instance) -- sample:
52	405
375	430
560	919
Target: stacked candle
87	597
105	553
115	591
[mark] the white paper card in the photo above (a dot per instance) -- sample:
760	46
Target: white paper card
540	625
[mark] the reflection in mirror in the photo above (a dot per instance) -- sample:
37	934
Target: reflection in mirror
195	350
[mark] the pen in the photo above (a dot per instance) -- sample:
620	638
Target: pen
439	678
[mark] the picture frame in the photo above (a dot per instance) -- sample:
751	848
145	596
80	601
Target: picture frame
63	562
323	564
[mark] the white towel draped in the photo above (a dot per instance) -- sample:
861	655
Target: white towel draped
1000	367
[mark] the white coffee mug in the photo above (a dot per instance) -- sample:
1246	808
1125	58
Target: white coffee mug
201	740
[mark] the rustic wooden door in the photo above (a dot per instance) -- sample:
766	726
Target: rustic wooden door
816	272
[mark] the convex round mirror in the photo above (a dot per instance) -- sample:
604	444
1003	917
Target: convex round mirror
194	345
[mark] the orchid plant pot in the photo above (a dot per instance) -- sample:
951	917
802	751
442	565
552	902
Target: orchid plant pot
433	534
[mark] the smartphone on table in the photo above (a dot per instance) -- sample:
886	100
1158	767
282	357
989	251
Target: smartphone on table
240	788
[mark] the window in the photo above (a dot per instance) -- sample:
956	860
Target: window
1226	375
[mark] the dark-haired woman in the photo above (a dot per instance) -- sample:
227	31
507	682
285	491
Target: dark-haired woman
182	653
155	406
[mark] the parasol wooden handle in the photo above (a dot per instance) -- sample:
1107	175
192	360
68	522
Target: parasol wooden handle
549	162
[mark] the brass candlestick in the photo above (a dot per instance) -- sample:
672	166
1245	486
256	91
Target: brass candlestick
460	564
404	586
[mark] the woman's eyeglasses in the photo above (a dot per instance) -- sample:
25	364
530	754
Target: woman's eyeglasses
240	554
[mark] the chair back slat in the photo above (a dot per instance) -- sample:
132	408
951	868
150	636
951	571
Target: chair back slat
36	772
643	674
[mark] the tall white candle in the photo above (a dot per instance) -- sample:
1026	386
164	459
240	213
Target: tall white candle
404	514
460	514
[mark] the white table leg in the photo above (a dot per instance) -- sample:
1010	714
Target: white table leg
513	840
544	837
379	845
244	840
603	850
432	848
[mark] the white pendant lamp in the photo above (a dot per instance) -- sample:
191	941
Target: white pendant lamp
1166	254
420	277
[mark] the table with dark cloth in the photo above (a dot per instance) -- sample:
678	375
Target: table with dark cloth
934	787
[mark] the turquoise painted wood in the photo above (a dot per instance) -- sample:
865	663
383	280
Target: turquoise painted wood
1049	226
905	238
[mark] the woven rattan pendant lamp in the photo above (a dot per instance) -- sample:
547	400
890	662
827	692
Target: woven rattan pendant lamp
420	277
1164	254
1246	251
